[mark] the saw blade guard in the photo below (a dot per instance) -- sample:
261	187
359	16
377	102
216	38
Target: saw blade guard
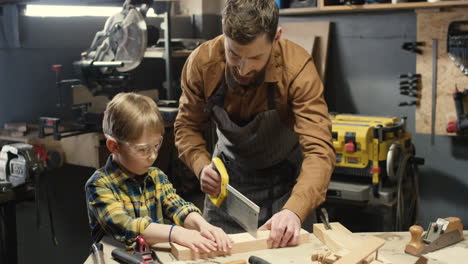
123	39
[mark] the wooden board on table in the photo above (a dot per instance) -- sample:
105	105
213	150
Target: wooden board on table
243	242
361	252
341	242
338	239
313	37
434	25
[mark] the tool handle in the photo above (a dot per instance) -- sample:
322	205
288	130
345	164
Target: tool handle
219	167
416	245
122	255
141	245
458	98
98	254
257	260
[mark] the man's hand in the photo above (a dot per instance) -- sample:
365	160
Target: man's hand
210	181
285	227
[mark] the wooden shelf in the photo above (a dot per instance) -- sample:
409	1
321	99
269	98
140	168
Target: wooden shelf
159	53
323	9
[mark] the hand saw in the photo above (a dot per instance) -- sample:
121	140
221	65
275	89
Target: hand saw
235	204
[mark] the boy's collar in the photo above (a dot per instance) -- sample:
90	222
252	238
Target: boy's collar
112	168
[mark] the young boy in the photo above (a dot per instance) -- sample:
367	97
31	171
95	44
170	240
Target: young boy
128	197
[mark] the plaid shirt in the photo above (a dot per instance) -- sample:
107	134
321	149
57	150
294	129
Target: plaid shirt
123	207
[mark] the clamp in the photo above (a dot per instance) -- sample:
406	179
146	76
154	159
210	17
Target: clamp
142	255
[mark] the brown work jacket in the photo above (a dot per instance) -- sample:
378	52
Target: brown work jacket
299	101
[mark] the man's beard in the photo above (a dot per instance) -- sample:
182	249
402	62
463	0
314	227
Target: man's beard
254	81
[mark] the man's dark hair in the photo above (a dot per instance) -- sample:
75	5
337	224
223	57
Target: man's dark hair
245	20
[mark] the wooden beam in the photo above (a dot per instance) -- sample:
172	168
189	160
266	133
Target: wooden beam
338	239
243	242
341	242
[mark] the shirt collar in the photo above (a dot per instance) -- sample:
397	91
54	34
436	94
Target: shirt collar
273	69
117	175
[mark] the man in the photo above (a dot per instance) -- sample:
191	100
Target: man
274	134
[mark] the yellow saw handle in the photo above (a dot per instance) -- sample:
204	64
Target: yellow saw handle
221	169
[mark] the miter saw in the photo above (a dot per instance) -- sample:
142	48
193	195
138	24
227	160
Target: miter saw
104	68
116	50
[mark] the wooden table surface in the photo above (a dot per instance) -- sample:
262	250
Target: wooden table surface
392	250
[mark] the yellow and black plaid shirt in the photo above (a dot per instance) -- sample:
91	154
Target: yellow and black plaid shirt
123	207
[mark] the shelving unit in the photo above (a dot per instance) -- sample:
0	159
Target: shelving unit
324	9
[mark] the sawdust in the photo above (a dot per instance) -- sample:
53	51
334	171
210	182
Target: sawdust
390	237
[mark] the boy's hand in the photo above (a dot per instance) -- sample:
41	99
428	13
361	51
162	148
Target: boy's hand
216	234
210	180
193	240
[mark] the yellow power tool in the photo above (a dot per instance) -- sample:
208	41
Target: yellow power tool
369	147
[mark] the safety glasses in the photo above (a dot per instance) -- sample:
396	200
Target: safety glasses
142	150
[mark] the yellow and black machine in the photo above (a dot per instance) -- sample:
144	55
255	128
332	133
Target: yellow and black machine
375	161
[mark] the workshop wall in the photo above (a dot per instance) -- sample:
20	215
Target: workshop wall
364	64
27	82
365	61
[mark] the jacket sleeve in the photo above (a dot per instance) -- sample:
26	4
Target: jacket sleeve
192	119
313	125
174	207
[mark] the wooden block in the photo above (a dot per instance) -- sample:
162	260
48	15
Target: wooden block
370	245
455	223
82	150
243	242
82	95
314	256
337	239
18	127
421	260
330	258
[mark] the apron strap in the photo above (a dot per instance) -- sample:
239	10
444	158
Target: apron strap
271	96
217	98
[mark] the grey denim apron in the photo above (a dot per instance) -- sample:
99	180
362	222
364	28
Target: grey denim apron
262	157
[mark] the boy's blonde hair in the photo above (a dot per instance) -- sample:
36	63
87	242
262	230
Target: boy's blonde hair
127	115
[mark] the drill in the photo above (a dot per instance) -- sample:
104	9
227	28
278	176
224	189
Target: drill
461	125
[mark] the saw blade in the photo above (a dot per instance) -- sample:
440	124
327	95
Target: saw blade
242	210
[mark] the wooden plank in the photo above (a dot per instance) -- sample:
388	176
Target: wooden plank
82	150
82	95
370	245
313	37
434	25
243	242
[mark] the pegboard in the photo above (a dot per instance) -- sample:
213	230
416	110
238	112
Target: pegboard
433	24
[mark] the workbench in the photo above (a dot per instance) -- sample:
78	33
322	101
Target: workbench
8	234
392	250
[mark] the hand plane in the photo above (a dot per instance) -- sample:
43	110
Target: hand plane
439	234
